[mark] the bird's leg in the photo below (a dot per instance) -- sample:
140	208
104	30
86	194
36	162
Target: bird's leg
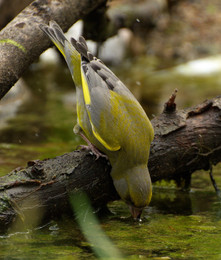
90	147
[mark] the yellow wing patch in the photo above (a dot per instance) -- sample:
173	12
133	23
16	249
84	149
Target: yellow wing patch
87	100
86	92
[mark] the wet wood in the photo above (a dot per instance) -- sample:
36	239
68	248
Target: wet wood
185	141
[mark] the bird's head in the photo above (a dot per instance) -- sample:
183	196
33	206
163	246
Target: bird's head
134	187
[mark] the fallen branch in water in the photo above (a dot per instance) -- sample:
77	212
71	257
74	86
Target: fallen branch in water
185	141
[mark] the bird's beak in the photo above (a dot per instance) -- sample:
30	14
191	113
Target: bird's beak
135	212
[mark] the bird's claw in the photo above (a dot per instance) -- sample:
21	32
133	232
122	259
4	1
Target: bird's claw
94	150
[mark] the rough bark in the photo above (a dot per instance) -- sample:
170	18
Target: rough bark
185	141
45	187
22	41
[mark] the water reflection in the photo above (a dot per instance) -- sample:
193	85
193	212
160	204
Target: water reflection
169	201
177	202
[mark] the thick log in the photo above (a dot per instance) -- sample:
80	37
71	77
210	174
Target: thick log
185	141
45	186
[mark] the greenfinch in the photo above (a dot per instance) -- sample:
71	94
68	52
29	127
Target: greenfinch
110	119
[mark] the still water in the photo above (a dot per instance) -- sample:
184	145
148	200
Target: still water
176	225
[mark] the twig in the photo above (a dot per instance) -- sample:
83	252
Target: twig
170	105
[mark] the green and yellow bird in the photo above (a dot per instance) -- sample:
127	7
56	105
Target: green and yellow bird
110	118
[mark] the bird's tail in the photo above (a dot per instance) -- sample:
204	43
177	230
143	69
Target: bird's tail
70	53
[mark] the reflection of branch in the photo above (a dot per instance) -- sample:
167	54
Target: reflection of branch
22	41
211	151
214	182
176	152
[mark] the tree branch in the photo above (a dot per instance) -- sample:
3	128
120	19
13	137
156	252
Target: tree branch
186	141
22	41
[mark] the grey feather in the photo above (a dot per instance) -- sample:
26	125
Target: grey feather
54	32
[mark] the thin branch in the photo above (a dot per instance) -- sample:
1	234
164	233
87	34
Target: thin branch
214	182
170	105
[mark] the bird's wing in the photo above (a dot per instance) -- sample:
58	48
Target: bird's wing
108	102
106	99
